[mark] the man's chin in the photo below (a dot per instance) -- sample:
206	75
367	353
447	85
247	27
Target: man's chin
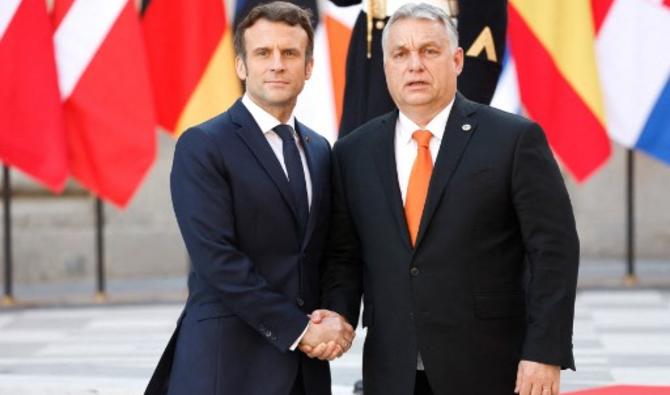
279	100
418	100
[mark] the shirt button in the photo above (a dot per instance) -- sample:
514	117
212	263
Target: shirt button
414	271
300	302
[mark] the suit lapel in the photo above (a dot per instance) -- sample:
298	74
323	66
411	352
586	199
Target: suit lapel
384	156
312	156
453	144
260	148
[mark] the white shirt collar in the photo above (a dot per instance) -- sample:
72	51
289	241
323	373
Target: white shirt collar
436	126
264	119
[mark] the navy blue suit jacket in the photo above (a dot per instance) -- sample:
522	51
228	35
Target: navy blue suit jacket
253	279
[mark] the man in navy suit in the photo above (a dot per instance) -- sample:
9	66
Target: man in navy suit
251	193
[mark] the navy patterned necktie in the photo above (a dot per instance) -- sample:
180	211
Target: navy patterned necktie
296	174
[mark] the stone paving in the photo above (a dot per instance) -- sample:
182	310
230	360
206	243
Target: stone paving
621	336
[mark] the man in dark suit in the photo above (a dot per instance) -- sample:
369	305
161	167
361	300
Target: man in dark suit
251	193
452	220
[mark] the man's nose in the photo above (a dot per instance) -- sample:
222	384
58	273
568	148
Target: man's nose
415	61
277	61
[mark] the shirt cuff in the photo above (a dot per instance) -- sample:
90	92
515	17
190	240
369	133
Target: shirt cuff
297	341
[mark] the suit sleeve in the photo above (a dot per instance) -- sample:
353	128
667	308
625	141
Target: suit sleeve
201	196
552	250
342	281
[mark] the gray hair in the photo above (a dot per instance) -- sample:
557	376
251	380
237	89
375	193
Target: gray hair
421	11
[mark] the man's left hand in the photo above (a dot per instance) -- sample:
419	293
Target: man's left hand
534	378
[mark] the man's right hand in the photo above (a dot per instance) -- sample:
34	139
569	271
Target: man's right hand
328	336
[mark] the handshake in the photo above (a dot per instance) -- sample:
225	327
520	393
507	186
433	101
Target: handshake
328	336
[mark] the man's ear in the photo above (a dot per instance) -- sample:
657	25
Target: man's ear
240	68
309	66
458	60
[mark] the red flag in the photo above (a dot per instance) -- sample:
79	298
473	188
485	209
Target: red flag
105	88
32	136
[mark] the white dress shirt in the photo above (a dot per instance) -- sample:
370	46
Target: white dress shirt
266	122
406	150
406	147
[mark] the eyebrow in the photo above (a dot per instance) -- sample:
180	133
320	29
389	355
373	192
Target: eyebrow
423	45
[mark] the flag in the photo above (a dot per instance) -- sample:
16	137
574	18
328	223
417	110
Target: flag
191	58
106	93
634	64
320	103
552	44
506	96
339	22
32	133
482	30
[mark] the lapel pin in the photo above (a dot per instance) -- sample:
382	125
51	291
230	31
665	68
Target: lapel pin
466	127
307	139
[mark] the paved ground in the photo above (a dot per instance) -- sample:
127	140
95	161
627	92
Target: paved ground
621	336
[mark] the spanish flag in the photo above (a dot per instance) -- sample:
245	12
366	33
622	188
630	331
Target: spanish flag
553	43
191	59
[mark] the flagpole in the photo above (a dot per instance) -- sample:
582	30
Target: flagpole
7	297
630	279
101	288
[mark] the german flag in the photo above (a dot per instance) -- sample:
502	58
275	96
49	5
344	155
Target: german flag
191	60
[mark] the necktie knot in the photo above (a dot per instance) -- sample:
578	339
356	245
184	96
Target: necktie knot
285	132
422	138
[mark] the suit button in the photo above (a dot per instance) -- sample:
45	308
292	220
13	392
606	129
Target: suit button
300	302
414	271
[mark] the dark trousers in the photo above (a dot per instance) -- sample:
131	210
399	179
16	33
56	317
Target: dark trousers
421	386
298	386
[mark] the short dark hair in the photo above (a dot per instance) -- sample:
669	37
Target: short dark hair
276	11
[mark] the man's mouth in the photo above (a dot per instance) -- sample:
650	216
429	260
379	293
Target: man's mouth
416	84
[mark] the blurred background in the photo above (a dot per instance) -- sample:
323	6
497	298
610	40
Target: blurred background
94	95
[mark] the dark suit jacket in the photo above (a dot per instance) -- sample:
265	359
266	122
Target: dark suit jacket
253	279
492	278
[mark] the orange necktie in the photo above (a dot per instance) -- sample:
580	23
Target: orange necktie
417	188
